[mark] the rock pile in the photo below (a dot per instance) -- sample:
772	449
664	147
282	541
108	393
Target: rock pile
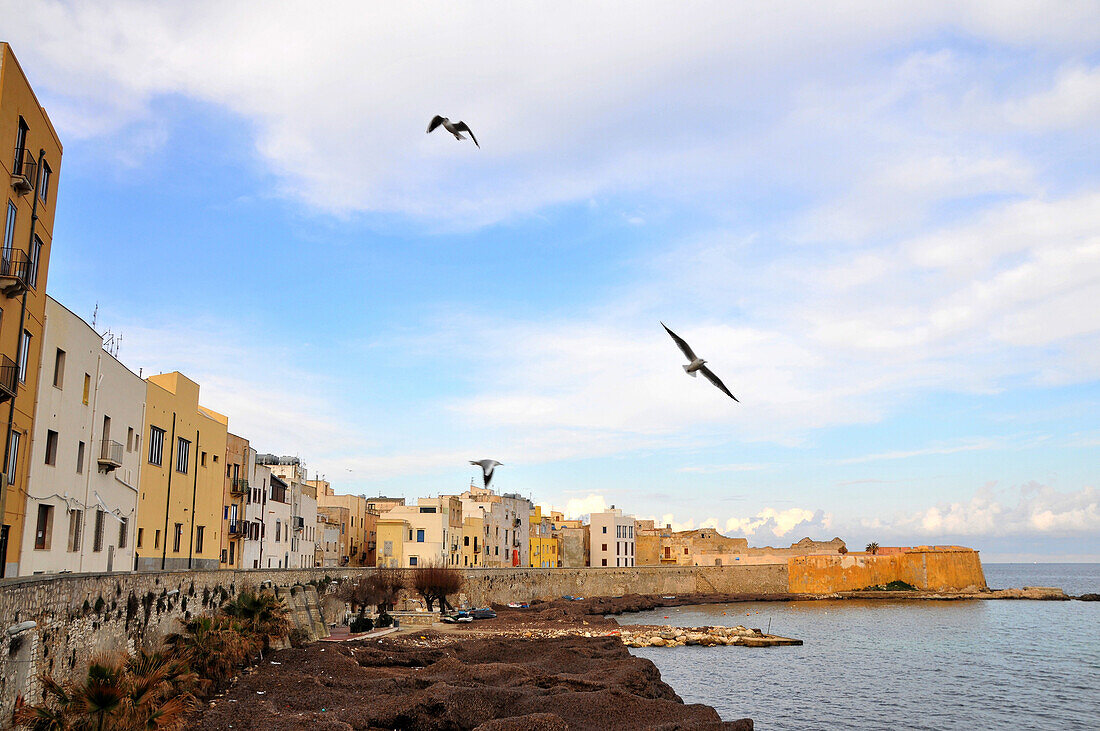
679	636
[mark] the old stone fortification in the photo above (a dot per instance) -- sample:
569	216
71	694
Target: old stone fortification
941	569
79	615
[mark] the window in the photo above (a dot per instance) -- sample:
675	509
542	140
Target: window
21	142
9	236
387	548
130	439
97	538
412	560
183	454
278	530
51	447
199	531
604	562
13	457
23	353
87	388
604	547
156	539
123	523
76	528
156	444
176	537
605	529
44	529
58	368
202	461
32	267
44	182
419	535
141	536
80	458
466	540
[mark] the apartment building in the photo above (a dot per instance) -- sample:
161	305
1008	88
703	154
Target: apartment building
473	540
181	483
433	532
255	513
340	518
234	498
504	524
302	497
391	540
544	545
85	454
30	166
612	538
362	522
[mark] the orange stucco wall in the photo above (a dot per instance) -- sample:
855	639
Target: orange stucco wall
933	570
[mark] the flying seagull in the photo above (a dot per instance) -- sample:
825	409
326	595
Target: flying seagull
698	364
455	128
487	466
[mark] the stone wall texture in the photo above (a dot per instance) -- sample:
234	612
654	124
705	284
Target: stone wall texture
79	615
931	570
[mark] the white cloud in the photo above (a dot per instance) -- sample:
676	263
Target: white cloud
776	523
582	507
713	468
562	101
974	445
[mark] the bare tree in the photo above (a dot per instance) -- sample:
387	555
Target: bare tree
436	583
379	589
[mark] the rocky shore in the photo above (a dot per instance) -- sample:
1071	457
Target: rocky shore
431	680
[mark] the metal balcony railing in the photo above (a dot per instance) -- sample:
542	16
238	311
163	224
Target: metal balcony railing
238	529
15	269
299	522
110	455
9	376
23	170
238	486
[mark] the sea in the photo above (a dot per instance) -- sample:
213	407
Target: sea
897	664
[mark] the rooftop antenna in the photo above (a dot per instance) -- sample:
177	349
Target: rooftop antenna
95	314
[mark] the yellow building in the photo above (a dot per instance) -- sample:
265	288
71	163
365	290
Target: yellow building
180	505
30	162
361	521
473	540
391	541
234	527
545	546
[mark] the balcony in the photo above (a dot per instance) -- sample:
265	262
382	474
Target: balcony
238	529
239	486
9	377
110	455
23	171
299	522
15	269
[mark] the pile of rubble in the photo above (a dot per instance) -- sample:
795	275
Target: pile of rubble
679	636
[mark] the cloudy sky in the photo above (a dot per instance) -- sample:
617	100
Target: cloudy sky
880	223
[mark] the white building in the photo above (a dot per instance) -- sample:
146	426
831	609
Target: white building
276	531
85	454
303	501
259	478
612	538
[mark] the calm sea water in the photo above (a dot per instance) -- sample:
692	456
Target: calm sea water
902	664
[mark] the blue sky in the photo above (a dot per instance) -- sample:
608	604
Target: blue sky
880	224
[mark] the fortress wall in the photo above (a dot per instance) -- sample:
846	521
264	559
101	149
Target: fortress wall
931	570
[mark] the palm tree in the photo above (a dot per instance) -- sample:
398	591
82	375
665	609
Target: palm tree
872	548
102	698
263	614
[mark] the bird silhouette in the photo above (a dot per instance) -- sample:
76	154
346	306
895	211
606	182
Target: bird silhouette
455	128
487	466
697	364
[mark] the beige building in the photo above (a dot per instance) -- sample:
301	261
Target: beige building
362	522
708	547
234	498
180	502
85	456
504	524
473	540
434	531
302	497
391	540
612	538
30	165
332	541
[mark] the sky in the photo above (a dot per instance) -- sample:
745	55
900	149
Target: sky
879	223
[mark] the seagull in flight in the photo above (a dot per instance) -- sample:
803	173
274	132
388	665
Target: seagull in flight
487	466
698	364
455	128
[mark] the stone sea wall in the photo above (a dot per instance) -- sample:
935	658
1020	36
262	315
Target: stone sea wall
76	616
931	570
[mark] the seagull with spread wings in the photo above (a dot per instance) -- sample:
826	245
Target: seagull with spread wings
697	364
487	466
455	128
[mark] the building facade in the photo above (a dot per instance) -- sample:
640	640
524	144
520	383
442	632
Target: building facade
85	455
234	498
612	539
30	166
182	484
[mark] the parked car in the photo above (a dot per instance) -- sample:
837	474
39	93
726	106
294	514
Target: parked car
485	613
